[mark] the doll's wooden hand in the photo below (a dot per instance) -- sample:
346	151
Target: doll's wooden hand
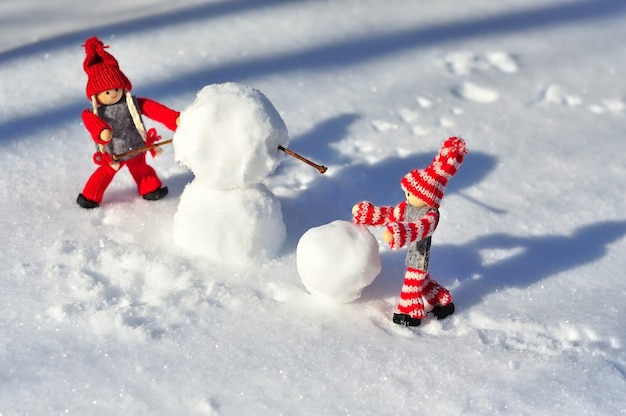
395	235
387	236
106	135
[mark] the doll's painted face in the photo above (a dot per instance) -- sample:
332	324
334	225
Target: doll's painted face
414	200
110	97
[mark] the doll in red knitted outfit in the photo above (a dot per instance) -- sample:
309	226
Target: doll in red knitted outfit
412	223
116	126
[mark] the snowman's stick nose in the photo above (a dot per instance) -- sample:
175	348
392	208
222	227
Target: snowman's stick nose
321	169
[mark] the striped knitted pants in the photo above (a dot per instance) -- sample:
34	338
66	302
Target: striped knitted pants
419	287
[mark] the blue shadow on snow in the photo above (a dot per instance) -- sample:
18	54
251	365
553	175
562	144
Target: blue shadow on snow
532	260
342	53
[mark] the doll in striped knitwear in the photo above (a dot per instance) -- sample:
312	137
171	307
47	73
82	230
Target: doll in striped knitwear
412	223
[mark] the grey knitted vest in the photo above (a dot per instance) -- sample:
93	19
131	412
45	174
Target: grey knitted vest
418	252
125	134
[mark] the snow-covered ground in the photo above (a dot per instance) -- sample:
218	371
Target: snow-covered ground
101	313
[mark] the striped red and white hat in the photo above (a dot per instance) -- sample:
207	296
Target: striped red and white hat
428	184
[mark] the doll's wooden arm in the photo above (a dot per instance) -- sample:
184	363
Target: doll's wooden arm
367	213
399	234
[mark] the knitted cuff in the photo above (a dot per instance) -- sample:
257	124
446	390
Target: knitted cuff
398	235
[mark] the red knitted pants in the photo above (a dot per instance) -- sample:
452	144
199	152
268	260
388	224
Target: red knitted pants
145	177
419	286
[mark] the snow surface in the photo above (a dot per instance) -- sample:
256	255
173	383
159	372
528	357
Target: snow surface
100	313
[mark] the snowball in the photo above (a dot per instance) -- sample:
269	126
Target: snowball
229	136
229	226
338	260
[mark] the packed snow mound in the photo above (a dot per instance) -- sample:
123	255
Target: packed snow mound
338	260
229	136
231	227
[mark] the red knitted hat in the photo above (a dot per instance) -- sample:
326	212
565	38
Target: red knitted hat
428	184
103	71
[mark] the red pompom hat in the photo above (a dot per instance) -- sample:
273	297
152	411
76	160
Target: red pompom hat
103	71
428	184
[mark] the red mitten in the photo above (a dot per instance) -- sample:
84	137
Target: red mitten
363	213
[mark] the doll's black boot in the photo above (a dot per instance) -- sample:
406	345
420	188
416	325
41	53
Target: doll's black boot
156	195
405	320
86	203
441	312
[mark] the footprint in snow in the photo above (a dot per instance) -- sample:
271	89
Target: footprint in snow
424	102
502	61
473	92
419	130
554	94
466	62
608	105
381	125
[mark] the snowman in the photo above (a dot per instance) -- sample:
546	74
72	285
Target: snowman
229	137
